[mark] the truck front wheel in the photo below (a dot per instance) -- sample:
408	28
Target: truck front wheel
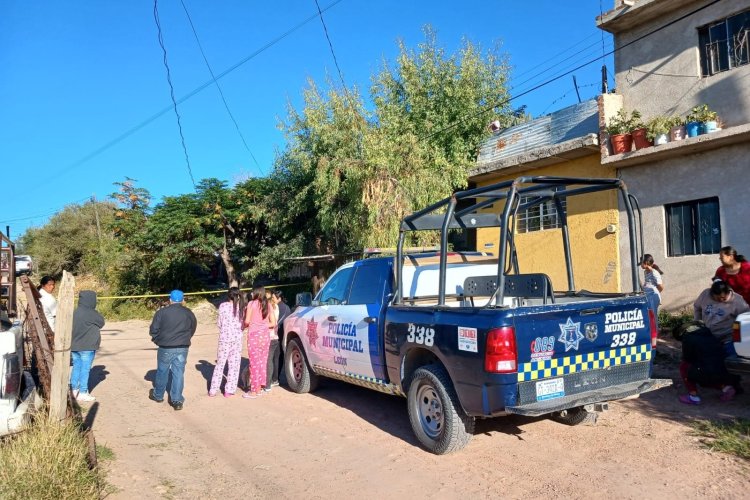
438	421
299	376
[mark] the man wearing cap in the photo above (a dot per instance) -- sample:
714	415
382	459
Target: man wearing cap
171	329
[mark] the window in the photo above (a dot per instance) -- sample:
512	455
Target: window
367	287
693	227
539	217
725	44
337	288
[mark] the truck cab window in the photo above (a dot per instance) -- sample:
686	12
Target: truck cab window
367	287
337	288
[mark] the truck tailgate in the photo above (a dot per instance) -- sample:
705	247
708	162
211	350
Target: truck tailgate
582	352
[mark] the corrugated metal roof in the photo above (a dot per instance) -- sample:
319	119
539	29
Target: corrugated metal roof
569	123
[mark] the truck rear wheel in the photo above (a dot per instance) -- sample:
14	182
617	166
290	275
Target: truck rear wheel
438	421
572	416
299	377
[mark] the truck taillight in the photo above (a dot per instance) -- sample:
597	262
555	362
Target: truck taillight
12	377
654	330
501	355
736	333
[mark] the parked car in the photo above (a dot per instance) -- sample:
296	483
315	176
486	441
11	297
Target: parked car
24	264
16	385
740	364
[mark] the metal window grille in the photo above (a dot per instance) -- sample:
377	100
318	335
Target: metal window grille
725	44
540	217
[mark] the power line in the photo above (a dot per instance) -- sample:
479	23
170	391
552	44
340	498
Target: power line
330	45
553	79
218	87
171	91
187	96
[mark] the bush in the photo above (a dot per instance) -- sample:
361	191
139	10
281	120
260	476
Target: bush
125	309
731	436
672	321
48	460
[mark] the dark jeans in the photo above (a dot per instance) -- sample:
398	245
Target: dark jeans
170	360
272	373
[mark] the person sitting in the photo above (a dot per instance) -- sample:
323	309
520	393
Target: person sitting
718	307
703	363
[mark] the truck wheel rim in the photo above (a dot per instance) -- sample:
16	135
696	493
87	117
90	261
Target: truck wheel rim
297	364
430	411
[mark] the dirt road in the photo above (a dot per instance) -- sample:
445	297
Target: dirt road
345	442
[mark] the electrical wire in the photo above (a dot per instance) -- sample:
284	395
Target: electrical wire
333	52
218	87
171	91
184	98
503	102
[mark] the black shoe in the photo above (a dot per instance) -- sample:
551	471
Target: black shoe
153	398
177	405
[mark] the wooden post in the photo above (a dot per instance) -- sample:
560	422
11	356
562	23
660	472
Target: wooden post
61	367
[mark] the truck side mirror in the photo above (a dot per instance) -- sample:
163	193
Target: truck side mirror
304	299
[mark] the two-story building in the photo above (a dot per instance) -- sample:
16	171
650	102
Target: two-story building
672	55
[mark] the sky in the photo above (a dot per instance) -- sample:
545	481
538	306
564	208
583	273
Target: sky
85	102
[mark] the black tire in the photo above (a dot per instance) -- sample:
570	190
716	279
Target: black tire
438	421
299	377
572	416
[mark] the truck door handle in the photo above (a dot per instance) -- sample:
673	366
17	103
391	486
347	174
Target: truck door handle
332	319
371	319
589	312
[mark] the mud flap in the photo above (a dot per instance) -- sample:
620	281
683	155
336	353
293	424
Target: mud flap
597	396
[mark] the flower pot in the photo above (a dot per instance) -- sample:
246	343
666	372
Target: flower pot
677	133
661	139
692	129
621	143
640	139
711	126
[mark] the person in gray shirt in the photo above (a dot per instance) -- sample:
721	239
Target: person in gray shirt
718	307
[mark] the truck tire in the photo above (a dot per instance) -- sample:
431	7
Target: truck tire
438	421
299	377
572	416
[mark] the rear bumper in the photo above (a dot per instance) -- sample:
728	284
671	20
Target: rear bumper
738	365
583	398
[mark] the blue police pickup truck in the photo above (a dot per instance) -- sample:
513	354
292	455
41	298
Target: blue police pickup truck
469	335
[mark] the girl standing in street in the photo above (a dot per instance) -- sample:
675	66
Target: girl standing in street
256	319
734	271
652	284
230	319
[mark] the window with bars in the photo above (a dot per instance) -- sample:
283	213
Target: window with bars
725	44
693	227
539	217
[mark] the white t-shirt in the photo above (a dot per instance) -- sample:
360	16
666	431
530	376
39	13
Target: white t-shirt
49	306
653	279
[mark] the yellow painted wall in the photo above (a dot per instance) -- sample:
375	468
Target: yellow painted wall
595	253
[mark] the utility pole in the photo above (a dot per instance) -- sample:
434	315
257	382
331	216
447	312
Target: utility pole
98	226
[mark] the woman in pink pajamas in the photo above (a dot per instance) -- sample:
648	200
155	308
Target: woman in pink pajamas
230	319
256	319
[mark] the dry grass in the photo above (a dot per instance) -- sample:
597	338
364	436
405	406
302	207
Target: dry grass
47	461
731	436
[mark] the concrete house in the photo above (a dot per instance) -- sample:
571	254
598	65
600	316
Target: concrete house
564	143
673	55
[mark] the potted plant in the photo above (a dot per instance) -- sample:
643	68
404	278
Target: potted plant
704	117
657	129
619	128
677	128
639	132
693	123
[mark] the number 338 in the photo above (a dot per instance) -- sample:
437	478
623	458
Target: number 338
623	339
420	334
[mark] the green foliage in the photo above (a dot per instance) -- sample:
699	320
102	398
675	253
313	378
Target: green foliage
624	122
672	321
125	309
730	436
701	114
658	125
72	240
48	460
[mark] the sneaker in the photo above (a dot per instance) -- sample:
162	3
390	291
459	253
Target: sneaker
85	397
250	395
274	384
177	405
266	390
228	394
211	394
153	398
75	393
689	399
727	394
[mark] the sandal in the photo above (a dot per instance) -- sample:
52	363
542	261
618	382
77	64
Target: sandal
228	394
211	394
250	395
